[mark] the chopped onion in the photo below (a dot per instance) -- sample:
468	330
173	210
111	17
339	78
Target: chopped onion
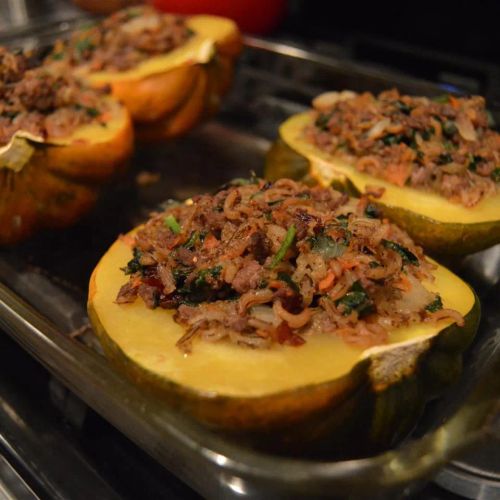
265	314
328	99
378	129
465	128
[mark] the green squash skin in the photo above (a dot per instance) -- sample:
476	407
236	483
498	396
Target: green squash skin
438	238
356	420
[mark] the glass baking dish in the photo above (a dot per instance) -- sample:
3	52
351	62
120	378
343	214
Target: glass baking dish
43	286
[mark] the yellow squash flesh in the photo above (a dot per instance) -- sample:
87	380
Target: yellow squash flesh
255	392
53	182
437	224
160	91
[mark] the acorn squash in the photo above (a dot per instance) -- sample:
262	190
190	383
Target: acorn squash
168	94
323	395
439	225
50	183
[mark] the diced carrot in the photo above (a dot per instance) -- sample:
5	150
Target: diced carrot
403	283
210	242
105	117
127	239
348	264
454	102
327	282
397	173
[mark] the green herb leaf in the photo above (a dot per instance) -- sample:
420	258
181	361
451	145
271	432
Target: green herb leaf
289	281
83	45
372	211
449	128
444	158
474	161
9	114
403	107
343	220
391	139
275	202
58	56
180	274
327	247
356	299
171	222
287	242
428	133
304	195
92	112
213	272
442	99
191	242
435	305
495	175
373	264
322	121
134	265
407	256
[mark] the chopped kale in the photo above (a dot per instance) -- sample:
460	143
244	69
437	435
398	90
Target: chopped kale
322	121
444	158
213	272
372	211
274	202
289	281
408	257
92	112
391	139
428	133
134	265
442	99
495	175
403	107
356	299
9	114
449	128
193	238
83	45
474	161
435	305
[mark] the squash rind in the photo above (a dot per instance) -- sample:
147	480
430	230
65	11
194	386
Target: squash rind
436	236
58	183
159	98
312	416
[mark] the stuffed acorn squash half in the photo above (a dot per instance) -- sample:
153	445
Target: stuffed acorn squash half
59	141
169	71
288	316
432	166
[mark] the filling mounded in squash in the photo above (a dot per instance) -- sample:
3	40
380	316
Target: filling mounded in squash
442	145
42	103
140	41
272	287
326	168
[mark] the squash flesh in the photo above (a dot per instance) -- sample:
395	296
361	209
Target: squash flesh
325	168
148	337
198	50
